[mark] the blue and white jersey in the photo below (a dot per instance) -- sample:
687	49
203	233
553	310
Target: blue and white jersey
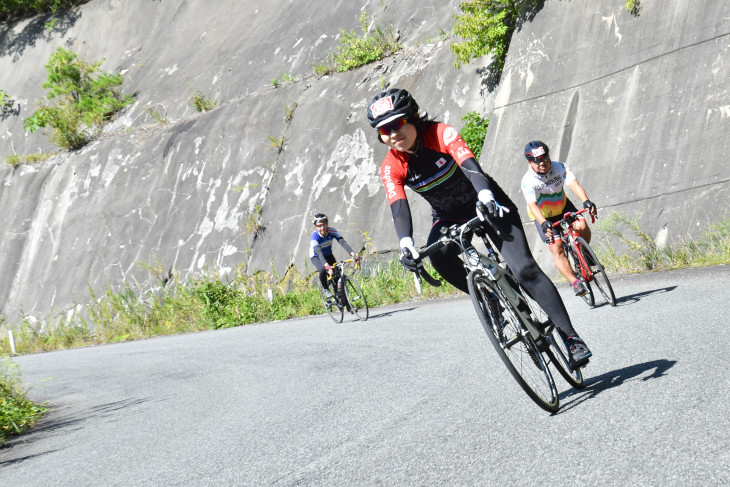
322	246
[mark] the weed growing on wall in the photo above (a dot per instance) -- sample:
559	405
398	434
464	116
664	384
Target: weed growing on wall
202	103
633	7
355	51
16	159
474	132
7	104
486	27
85	98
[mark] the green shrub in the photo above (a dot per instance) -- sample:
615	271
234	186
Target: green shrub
85	99
486	27
10	9
474	132
17	412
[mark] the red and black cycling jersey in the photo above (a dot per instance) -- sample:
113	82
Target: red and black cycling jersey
443	170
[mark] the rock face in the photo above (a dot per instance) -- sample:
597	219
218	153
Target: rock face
637	106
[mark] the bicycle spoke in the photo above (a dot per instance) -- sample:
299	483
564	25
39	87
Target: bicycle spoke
355	298
599	273
513	342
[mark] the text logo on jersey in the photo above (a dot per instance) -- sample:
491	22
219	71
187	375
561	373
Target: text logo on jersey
384	105
389	184
450	135
462	152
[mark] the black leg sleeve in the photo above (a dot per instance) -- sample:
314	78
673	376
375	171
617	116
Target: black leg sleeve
528	273
447	262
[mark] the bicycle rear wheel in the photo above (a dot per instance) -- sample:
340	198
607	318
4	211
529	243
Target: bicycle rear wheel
512	341
599	273
334	309
356	302
583	274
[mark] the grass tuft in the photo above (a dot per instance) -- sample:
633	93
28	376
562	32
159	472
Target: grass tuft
17	412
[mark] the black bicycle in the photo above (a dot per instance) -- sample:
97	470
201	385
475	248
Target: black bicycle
520	330
347	294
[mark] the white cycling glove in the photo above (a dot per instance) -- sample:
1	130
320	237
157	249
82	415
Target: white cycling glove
407	243
494	209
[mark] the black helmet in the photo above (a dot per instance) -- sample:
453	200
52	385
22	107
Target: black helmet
536	150
319	217
389	105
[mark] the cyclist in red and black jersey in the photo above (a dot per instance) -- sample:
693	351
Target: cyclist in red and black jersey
433	160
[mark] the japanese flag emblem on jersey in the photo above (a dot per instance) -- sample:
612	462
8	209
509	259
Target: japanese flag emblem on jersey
384	105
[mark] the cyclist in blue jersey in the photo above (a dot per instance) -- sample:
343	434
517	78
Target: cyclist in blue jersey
320	250
433	160
543	189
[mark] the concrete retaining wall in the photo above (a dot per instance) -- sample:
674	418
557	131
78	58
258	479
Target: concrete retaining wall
638	107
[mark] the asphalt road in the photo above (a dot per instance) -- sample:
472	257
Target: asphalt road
414	396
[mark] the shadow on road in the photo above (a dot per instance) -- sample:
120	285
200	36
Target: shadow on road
61	421
636	297
389	313
609	380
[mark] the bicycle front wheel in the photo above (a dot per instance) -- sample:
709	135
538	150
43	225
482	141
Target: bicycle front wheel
336	311
552	344
356	302
599	273
558	354
512	341
582	272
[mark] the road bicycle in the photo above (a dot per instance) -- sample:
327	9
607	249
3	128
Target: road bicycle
518	328
583	260
346	293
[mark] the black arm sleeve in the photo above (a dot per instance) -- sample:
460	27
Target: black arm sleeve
402	218
474	172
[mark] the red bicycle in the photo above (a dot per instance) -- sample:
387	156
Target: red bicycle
583	260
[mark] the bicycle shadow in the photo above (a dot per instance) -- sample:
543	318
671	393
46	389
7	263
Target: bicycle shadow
386	314
615	378
636	297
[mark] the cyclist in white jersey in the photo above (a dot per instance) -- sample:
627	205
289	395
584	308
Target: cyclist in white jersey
543	187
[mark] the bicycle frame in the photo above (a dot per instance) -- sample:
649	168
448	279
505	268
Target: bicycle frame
338	276
491	265
568	236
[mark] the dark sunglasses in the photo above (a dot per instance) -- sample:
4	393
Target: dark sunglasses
389	127
539	160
